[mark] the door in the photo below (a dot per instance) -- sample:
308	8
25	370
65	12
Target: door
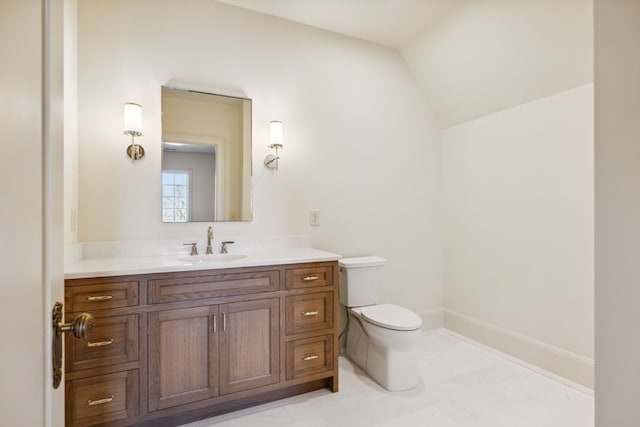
249	348
183	356
31	219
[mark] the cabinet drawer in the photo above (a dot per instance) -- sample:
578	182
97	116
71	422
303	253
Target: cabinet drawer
309	356
309	312
300	278
113	340
102	399
211	286
90	297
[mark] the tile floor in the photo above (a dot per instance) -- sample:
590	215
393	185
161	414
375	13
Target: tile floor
462	385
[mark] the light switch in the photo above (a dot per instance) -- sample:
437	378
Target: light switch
73	220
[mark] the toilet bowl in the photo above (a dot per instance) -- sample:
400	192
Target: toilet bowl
381	338
386	354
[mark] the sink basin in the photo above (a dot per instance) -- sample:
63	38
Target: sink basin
210	259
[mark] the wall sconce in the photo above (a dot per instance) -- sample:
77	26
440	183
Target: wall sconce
133	127
275	138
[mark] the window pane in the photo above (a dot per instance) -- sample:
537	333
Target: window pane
167	178
181	179
175	196
168	190
181	215
167	215
167	202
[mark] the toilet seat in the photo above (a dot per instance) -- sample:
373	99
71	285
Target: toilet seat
391	316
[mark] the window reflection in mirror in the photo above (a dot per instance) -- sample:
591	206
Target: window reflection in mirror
206	157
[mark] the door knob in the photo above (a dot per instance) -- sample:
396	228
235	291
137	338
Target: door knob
80	327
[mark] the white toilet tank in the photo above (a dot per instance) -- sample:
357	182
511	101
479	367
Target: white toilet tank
360	280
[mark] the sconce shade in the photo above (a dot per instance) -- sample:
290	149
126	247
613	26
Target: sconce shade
275	133
275	140
132	119
133	127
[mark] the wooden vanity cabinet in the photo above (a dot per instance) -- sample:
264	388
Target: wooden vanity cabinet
201	352
171	348
311	333
103	372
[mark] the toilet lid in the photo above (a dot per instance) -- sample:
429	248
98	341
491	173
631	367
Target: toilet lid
362	261
392	317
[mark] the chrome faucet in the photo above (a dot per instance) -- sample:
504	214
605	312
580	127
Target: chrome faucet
209	238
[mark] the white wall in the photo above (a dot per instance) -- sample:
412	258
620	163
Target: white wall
518	197
617	202
360	143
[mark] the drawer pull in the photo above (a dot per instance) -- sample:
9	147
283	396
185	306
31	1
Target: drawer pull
100	401
100	343
100	298
312	357
310	313
309	278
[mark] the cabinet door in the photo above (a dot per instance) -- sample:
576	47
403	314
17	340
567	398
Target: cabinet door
249	348
183	356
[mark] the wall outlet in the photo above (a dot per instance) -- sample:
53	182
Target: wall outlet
314	218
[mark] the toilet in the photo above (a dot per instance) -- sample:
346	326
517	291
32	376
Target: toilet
381	338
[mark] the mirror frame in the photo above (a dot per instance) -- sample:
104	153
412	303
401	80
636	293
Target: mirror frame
245	209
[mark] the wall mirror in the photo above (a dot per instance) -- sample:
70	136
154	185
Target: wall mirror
206	157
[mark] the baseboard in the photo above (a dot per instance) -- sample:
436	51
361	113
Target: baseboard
432	319
564	366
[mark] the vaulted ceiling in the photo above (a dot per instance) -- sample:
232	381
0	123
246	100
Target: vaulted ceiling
470	57
391	23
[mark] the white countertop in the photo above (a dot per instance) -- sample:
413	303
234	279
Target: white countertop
120	266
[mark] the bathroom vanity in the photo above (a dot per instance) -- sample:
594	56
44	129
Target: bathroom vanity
173	344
